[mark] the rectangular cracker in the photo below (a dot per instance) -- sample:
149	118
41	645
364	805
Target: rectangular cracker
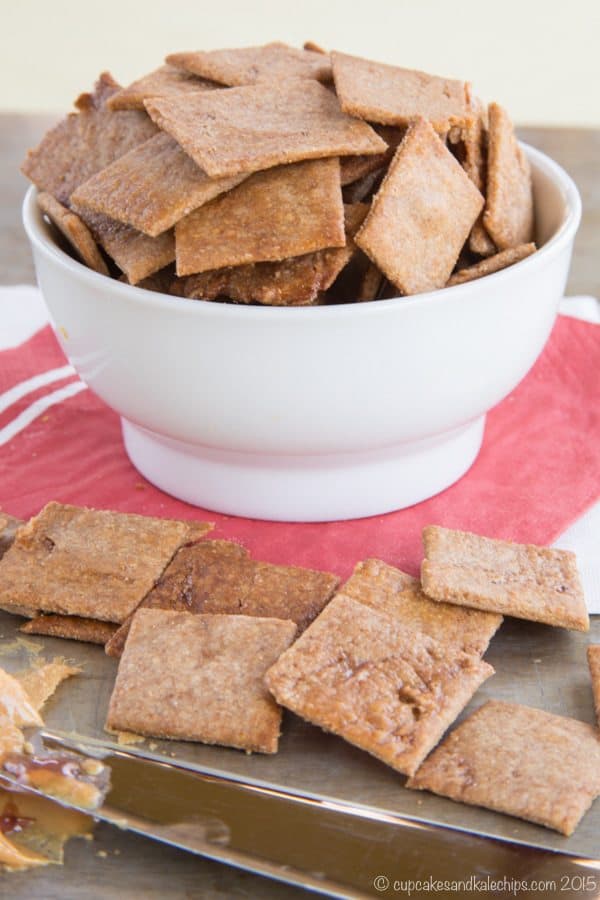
246	65
517	760
165	81
293	282
383	687
593	658
72	628
74	230
492	264
285	211
509	212
421	215
90	563
391	95
221	577
200	678
85	142
391	591
262	125
522	580
152	187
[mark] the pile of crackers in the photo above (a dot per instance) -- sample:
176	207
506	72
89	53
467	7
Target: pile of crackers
288	177
212	644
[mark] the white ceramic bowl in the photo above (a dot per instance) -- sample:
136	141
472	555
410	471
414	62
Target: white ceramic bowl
310	414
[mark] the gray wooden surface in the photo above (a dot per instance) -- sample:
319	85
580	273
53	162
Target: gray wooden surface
128	866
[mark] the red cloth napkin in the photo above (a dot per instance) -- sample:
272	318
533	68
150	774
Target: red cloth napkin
538	470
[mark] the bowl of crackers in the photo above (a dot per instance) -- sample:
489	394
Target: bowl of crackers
301	278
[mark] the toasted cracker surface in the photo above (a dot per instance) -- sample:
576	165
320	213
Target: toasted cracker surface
162	82
422	214
282	212
593	658
509	214
74	628
518	760
200	678
75	231
246	65
152	187
221	577
85	142
386	688
522	580
492	264
468	139
251	128
389	590
91	563
391	95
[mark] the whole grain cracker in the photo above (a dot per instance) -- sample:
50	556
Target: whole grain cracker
220	577
282	212
492	264
90	563
518	760
394	96
8	529
311	45
469	140
593	658
200	678
422	214
162	82
267	124
389	590
522	580
74	628
385	688
152	187
246	65
74	230
509	213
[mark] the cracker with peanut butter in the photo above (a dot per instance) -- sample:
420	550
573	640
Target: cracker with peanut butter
245	129
517	760
246	65
71	628
151	188
283	212
536	583
90	563
74	230
495	263
421	215
593	658
200	678
380	685
166	81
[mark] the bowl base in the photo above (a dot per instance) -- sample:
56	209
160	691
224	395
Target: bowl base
319	488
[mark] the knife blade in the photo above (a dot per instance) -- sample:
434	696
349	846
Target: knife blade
328	846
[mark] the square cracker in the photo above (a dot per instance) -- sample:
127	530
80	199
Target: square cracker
74	230
292	282
72	628
492	264
421	215
593	658
221	577
394	96
85	142
152	187
522	580
87	562
162	82
285	211
246	65
518	760
509	213
262	125
200	678
392	591
385	688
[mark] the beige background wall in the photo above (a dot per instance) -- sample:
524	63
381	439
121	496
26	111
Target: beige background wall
540	59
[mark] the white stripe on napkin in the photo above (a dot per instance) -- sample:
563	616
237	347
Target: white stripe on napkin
32	384
37	408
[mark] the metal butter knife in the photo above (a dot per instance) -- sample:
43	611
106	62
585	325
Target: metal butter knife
327	846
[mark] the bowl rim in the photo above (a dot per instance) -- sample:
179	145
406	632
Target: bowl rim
40	239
